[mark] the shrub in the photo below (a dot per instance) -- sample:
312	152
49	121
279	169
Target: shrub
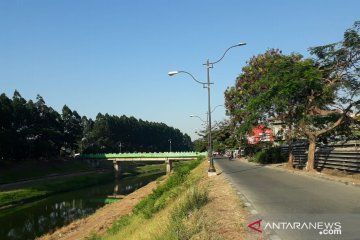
270	155
251	149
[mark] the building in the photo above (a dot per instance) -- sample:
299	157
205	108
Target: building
259	134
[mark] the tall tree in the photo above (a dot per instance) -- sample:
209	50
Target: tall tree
33	129
20	126
49	128
72	128
316	97
274	86
340	67
7	140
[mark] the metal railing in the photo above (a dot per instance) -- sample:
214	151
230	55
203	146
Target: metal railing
143	155
342	156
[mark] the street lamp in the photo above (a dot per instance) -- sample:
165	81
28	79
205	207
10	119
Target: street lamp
220	105
207	84
198	118
170	144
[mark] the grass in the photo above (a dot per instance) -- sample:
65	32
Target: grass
161	195
18	171
46	189
77	182
180	227
164	213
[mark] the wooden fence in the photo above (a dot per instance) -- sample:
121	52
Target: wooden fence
341	156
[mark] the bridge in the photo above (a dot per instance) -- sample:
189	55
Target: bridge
167	157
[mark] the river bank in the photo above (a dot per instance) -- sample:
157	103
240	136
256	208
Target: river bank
13	198
27	191
38	217
103	218
190	206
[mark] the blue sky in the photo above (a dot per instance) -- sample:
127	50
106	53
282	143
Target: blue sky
113	56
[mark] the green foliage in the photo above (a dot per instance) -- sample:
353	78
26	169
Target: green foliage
273	85
200	145
340	63
315	96
72	127
28	129
34	130
268	155
134	135
251	149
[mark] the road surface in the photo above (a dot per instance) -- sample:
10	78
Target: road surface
295	206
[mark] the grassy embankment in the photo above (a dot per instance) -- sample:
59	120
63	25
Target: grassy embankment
19	171
47	188
172	211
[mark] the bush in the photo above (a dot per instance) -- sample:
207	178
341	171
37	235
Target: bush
251	149
270	155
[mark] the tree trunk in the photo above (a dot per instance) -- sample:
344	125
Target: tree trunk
290	140
310	165
291	156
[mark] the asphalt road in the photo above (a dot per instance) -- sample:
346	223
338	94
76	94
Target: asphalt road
294	206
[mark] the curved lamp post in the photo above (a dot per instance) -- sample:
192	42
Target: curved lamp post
207	84
205	122
220	105
198	118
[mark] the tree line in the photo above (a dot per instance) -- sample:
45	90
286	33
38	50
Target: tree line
312	97
31	129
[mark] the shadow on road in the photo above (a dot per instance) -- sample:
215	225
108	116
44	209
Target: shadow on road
243	170
240	170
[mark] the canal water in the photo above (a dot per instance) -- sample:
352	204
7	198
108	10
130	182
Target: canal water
31	220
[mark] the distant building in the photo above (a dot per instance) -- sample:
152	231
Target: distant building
259	134
278	128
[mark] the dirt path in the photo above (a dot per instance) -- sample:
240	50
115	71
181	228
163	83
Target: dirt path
102	219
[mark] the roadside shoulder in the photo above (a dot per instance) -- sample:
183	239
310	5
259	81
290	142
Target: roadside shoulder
282	167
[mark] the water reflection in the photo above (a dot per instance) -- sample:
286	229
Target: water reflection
35	219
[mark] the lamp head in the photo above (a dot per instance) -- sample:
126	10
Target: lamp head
172	73
240	44
191	115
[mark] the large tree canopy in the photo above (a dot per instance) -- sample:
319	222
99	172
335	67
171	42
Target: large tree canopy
313	96
274	86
